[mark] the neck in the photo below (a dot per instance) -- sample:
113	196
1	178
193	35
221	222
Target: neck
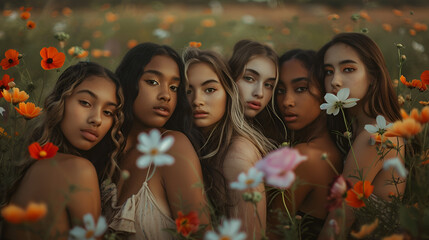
313	130
132	137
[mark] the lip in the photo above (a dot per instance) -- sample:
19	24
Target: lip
89	134
290	117
162	110
255	105
200	114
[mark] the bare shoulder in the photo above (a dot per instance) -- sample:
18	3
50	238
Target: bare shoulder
315	168
241	156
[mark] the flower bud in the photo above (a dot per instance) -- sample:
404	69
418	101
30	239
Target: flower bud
347	134
256	197
61	36
11	84
324	156
125	174
20	56
399	46
401	100
285	144
247	197
395	83
403	58
408	97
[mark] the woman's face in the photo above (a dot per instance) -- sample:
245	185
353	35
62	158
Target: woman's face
157	97
344	69
257	84
89	112
206	95
295	97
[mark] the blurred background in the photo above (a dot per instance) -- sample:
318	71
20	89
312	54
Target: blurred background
106	30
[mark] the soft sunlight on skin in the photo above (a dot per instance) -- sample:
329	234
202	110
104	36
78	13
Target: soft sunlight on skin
206	95
257	84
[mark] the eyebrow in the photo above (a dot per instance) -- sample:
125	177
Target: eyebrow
159	74
209	81
257	74
95	96
342	62
295	80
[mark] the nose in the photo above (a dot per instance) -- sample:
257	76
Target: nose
95	117
336	81
288	101
197	100
164	93
258	90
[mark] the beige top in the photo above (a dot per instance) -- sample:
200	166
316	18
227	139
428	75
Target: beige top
139	217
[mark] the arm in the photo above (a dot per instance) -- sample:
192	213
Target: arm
242	156
371	165
183	181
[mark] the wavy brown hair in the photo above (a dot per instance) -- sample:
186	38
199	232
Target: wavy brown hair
218	140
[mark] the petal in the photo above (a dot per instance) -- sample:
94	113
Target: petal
325	106
211	235
44	53
101	226
88	221
163	159
371	128
238	185
166	143
51	52
381	121
11	54
343	94
331	98
155	136
336	111
77	233
348	104
144	161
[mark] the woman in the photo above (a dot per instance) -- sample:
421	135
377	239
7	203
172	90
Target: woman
231	145
298	98
254	67
354	61
81	116
145	204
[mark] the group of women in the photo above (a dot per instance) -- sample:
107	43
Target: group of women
224	117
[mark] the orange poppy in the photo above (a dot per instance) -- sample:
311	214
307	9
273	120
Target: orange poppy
365	230
361	190
412	32
11	59
96	53
406	128
387	27
364	14
67	11
425	77
333	16
35	211
77	52
419	85
187	224
111	17
132	43
4	84
51	58
420	27
31	25
86	44
13	214
28	110
16	96
37	152
107	53
397	12
424	103
209	22
25	15
423	117
195	44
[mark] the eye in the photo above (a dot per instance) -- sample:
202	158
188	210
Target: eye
281	91
301	89
269	85
248	78
349	69
328	72
210	90
108	113
174	88
151	82
84	103
189	91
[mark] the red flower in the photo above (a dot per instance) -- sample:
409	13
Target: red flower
425	77
10	60
25	15
31	25
4	84
51	58
338	191
188	224
359	192
49	150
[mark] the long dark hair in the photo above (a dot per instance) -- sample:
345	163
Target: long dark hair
306	58
380	97
129	73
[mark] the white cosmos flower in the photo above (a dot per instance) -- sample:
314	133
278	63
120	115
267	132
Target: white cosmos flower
334	103
397	165
1	111
91	231
250	180
161	33
380	127
230	229
153	149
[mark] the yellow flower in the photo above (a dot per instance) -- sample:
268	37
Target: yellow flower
28	110
16	96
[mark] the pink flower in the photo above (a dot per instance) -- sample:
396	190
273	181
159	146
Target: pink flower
278	166
338	191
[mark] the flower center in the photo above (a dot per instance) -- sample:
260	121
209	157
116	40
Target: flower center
43	153
89	234
50	60
225	238
10	60
249	181
153	151
360	196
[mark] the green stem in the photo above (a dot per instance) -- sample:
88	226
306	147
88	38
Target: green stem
284	204
350	142
41	91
